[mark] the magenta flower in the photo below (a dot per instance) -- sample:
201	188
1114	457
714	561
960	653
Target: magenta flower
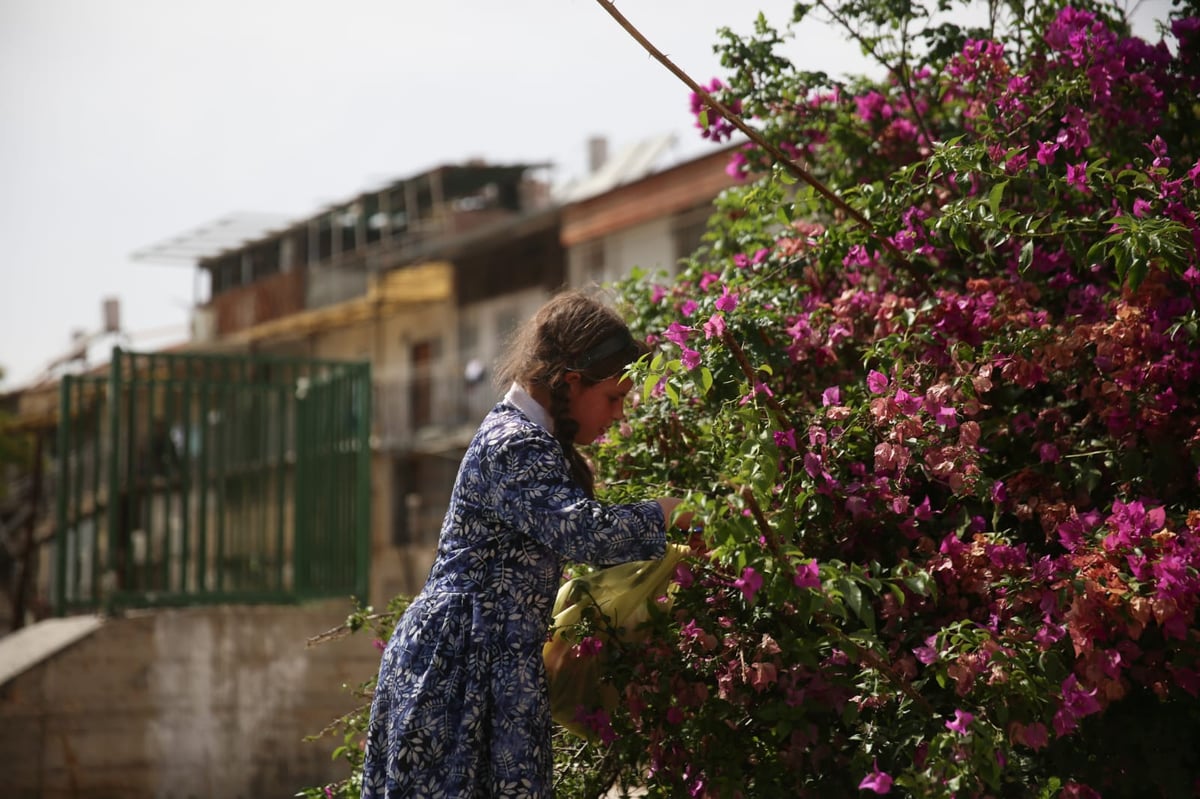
727	301
1077	175
878	781
786	439
677	333
877	382
831	396
589	646
749	583
690	358
1046	152
808	575
961	723
688	307
715	326
946	417
929	653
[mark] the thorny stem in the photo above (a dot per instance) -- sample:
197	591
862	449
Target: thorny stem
739	355
778	155
866	655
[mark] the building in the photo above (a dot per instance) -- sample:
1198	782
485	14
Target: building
421	281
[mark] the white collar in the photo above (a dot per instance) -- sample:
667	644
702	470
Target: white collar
519	398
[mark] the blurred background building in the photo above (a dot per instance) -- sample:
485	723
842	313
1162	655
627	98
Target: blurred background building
180	521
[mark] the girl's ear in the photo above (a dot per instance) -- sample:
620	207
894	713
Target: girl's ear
572	377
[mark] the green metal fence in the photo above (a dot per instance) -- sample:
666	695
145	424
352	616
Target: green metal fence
189	479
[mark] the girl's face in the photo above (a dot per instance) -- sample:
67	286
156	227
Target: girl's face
596	407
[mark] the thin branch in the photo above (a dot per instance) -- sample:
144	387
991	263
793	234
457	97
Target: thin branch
341	631
736	120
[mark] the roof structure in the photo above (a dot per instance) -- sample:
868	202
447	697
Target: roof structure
230	232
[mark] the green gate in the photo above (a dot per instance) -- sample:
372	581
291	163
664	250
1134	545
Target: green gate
189	479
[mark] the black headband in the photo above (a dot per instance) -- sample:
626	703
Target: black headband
618	343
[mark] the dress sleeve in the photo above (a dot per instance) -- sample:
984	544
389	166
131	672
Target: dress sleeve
534	493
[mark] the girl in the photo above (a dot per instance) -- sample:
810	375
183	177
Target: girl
461	707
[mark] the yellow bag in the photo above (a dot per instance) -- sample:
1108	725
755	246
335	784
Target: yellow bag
623	595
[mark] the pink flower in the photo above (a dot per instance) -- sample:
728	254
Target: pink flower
688	308
808	575
1077	175
677	333
690	358
715	326
878	781
1046	152
749	583
877	382
380	644
590	646
946	417
961	723
727	301
831	396
785	439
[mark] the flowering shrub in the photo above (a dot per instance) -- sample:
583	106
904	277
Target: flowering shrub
945	454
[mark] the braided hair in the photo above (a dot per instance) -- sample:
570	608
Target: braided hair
572	332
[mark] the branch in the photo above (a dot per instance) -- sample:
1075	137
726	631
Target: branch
736	120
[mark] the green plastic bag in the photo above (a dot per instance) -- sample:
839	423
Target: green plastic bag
623	595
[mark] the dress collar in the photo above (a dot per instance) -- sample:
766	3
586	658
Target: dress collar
520	399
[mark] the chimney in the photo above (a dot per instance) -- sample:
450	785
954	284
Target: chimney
597	153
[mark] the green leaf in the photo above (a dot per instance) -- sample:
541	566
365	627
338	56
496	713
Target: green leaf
995	196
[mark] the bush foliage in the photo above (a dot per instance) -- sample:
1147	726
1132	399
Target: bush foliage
944	447
942	438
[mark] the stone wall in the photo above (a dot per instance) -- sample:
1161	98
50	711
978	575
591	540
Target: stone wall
196	703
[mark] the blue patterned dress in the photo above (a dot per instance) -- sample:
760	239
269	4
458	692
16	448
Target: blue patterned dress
461	708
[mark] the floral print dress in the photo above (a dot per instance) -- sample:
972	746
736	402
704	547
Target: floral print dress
461	706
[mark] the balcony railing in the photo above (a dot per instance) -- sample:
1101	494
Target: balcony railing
428	412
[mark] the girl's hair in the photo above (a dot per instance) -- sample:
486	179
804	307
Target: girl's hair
572	332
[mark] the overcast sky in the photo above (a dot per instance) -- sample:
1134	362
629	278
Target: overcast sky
128	122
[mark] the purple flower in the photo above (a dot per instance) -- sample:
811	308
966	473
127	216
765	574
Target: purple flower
831	396
1077	175
808	575
715	326
589	646
677	333
786	438
878	781
961	723
690	358
877	382
749	583
727	301
946	417
688	308
1046	152
929	653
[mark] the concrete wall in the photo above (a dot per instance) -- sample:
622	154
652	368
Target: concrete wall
176	704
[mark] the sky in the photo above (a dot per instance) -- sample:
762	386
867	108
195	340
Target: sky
130	122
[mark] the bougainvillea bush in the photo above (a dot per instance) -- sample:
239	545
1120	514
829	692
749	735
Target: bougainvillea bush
942	440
